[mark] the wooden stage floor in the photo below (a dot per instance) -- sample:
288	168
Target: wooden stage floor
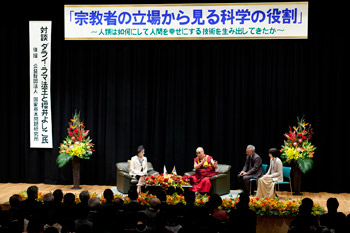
8	189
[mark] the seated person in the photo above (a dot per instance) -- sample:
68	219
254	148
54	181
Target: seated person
333	220
13	220
31	207
266	184
243	219
204	166
252	169
151	212
304	221
138	167
215	201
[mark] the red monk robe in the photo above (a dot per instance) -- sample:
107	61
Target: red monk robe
201	178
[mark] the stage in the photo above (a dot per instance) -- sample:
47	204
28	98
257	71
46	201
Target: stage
8	189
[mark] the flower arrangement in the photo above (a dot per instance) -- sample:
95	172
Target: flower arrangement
271	206
76	144
275	206
175	199
77	198
229	203
41	195
261	206
201	199
144	198
23	195
297	146
167	180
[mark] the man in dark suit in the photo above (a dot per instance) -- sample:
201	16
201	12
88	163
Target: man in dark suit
31	208
252	169
243	219
152	211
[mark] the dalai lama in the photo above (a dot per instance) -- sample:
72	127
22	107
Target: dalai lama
204	167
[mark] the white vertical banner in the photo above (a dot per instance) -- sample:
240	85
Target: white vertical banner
40	88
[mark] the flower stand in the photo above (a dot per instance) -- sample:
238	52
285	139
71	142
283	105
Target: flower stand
296	179
76	173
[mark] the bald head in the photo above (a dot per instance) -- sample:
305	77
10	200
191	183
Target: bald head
155	203
200	149
200	152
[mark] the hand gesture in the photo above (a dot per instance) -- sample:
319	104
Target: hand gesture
242	173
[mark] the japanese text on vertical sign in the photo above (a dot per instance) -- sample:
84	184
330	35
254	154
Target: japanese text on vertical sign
44	84
40	100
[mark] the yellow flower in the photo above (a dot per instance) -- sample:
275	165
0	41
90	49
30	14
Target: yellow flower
292	153
77	150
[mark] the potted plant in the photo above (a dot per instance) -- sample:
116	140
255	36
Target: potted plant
298	151
77	145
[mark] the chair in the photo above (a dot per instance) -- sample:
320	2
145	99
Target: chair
286	174
264	167
124	180
220	183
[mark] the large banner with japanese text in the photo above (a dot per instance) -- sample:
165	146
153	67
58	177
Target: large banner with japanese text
276	20
40	75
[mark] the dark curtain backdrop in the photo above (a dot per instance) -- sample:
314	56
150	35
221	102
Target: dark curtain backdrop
173	96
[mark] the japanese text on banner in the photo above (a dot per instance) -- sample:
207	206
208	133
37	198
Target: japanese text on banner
183	21
40	95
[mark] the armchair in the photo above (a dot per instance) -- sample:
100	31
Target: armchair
124	180
220	183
